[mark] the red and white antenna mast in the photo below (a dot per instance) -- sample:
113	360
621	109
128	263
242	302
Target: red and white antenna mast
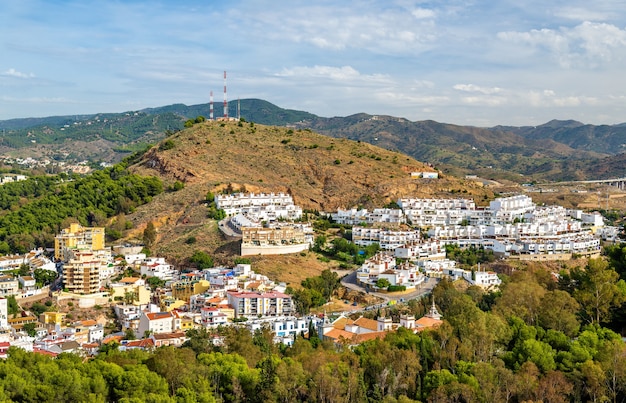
211	107
225	98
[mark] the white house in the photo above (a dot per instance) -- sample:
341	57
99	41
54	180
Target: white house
157	267
158	322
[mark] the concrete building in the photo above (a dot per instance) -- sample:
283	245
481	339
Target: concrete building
77	237
158	322
81	274
259	207
157	267
249	304
277	240
8	286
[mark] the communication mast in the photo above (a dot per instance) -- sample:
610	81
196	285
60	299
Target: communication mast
225	99
211	107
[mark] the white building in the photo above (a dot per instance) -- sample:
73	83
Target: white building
4	314
260	207
370	270
248	304
213	317
158	322
387	239
157	267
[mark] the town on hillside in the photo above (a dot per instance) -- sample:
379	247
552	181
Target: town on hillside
85	294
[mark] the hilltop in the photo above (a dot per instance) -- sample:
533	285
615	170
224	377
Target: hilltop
320	172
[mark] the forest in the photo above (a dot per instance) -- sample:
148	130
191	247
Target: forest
540	338
34	210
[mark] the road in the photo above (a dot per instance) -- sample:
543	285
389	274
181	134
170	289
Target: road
349	281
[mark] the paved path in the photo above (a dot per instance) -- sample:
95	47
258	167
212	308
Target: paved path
224	226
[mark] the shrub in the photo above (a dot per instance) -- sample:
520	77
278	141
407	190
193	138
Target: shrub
166	145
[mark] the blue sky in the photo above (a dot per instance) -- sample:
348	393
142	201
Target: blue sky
479	63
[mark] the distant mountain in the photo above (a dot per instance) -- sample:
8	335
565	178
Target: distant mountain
118	134
556	150
493	152
603	139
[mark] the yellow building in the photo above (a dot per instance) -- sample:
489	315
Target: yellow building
183	290
187	323
168	304
52	318
138	293
77	237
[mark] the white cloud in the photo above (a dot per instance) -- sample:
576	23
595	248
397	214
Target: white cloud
582	14
588	44
476	88
345	74
422	13
17	74
380	29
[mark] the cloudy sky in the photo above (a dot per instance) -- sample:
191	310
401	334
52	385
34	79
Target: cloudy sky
472	62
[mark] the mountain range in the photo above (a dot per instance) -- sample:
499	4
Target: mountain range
557	150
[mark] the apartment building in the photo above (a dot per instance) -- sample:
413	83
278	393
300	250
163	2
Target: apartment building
248	304
81	274
261	207
77	237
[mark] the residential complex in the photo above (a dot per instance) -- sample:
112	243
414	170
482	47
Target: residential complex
260	207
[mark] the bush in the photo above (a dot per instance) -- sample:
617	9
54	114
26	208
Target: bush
191	240
396	288
166	145
202	260
178	185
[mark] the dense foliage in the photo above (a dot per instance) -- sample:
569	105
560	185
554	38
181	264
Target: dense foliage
34	209
469	257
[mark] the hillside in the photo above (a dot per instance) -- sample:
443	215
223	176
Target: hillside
490	152
554	151
320	172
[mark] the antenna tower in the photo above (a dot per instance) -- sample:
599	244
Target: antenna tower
238	109
211	107
225	98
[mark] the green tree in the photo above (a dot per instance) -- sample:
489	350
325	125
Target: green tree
382	283
201	259
558	310
155	282
30	329
149	235
44	277
598	290
12	306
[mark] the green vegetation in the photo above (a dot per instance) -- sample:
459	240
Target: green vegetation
469	257
201	259
315	291
242	260
44	277
34	209
166	145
